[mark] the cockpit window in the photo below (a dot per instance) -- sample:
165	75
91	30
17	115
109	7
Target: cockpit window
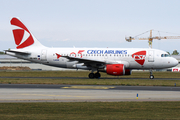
165	55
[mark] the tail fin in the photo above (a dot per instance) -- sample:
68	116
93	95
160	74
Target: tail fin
22	36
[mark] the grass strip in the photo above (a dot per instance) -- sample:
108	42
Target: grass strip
135	74
124	82
90	110
140	78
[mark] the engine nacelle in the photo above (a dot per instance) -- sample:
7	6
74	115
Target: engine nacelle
115	69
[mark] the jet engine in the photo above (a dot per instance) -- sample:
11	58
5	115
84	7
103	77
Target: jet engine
117	70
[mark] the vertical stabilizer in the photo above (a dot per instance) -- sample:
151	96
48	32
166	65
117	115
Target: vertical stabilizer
22	36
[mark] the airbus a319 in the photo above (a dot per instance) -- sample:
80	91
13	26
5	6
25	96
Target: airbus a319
113	61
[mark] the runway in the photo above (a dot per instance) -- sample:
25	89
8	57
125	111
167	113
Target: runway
85	93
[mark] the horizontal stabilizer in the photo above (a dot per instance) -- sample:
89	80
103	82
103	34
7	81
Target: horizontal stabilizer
18	52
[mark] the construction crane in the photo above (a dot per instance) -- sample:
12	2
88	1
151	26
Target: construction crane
150	39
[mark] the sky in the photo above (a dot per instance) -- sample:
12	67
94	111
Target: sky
93	23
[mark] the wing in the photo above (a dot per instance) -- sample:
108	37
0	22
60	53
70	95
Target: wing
89	62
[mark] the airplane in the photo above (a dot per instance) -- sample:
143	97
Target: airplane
113	61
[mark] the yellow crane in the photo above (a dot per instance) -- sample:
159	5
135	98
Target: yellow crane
150	39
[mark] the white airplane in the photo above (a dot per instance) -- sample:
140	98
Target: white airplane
113	61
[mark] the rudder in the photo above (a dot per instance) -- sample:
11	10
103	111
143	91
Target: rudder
22	36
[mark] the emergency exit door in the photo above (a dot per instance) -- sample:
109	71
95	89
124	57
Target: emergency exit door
44	55
151	56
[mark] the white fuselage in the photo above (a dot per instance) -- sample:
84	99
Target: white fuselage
132	58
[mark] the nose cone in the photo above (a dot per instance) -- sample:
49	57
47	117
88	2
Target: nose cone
174	62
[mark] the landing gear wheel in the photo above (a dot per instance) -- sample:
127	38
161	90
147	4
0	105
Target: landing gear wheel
97	75
91	75
151	76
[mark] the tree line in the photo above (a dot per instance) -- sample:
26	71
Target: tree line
175	52
2	52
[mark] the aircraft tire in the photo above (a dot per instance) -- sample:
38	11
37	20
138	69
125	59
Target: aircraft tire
97	75
151	76
91	75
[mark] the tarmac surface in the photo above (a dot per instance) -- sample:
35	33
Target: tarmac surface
85	93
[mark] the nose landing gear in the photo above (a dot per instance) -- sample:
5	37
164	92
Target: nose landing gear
151	75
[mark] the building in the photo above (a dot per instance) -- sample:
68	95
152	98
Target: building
9	61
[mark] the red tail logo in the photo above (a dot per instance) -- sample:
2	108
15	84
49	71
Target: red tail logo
22	36
139	57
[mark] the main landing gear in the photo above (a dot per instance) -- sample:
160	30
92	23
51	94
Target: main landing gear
96	75
151	75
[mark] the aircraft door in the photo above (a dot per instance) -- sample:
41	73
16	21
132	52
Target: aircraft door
151	56
44	55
